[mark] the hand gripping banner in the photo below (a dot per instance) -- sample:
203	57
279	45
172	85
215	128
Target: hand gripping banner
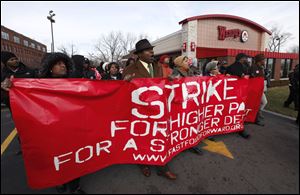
72	127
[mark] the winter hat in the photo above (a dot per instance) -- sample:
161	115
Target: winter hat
104	65
5	56
211	66
178	61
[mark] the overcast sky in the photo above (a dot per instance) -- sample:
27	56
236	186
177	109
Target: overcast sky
82	23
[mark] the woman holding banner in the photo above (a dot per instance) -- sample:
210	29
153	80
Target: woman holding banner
182	70
57	65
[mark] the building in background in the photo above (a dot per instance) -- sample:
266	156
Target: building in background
29	51
220	36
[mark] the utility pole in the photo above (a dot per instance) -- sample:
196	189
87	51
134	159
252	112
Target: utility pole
50	17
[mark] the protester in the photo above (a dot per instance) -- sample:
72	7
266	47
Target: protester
105	68
99	68
194	67
239	68
257	70
182	69
296	83
205	63
12	67
59	65
83	69
164	61
89	71
171	63
130	61
212	69
292	87
222	66
114	72
145	67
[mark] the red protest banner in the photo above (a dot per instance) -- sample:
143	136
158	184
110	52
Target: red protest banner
72	127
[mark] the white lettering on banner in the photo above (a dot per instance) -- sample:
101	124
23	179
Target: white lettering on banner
147	157
57	159
140	128
114	127
235	119
77	160
187	94
130	144
211	90
132	132
159	143
57	162
234	106
172	94
135	98
162	130
228	88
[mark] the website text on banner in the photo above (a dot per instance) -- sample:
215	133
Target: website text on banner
72	127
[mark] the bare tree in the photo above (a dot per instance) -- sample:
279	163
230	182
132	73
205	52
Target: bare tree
109	46
70	52
115	45
63	49
128	42
278	38
96	59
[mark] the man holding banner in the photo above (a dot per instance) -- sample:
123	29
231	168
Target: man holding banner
146	68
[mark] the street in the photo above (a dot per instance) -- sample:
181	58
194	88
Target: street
268	162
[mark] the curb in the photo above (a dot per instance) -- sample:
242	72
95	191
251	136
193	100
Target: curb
281	115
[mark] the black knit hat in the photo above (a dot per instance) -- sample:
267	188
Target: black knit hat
5	56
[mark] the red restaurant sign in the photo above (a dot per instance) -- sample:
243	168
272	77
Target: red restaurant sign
223	33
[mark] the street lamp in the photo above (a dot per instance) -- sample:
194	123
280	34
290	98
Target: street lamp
50	17
278	39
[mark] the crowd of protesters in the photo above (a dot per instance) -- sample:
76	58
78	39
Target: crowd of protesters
59	65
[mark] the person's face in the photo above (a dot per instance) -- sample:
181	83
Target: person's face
244	60
185	64
215	71
261	63
85	65
166	60
131	62
13	62
113	70
59	69
147	56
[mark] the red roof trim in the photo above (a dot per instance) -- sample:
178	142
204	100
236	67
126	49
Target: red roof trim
225	16
203	52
